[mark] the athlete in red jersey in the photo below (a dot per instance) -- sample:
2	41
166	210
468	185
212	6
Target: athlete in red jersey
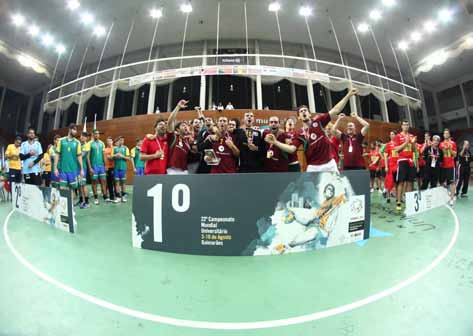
317	145
449	150
225	147
390	158
275	160
406	147
178	142
374	166
352	142
155	148
336	145
294	165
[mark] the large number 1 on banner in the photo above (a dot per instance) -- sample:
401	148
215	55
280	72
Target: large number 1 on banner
157	194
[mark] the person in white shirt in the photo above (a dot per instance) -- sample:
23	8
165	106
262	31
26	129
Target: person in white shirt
220	107
229	106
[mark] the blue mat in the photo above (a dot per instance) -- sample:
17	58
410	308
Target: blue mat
374	233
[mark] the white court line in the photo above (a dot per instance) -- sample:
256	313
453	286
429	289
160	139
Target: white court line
234	325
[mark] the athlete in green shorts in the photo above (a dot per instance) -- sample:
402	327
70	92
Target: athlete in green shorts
96	163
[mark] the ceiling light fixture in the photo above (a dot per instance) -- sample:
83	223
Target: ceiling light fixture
26	61
403	45
430	26
186	8
73	4
389	3
445	15
99	31
60	49
274	7
363	27
86	18
375	15
469	40
33	30
155	13
305	11
47	40
416	36
18	20
437	58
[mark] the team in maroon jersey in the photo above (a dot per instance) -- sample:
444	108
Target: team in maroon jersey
225	148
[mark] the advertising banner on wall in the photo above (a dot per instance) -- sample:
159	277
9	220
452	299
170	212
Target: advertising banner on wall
47	205
425	200
250	214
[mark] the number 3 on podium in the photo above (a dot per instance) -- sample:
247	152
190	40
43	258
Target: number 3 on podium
157	194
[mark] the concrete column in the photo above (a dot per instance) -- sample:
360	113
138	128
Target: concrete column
259	85
253	94
465	104
152	88
353	106
211	88
328	94
437	112
384	111
82	103
57	114
425	117
104	112
169	107
203	80
39	128
112	95
134	106
310	86
28	113
2	100
293	96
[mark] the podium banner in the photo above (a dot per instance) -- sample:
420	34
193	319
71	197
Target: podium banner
250	214
425	200
47	205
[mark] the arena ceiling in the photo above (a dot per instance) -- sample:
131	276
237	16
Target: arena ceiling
396	24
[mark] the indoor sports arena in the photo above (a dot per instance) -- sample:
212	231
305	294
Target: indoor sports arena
236	167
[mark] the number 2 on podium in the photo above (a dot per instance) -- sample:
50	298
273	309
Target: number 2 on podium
157	194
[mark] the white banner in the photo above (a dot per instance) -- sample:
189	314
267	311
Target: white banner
425	200
48	205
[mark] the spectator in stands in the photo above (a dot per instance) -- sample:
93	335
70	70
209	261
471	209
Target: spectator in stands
294	165
464	169
12	154
225	147
229	106
351	142
68	162
275	161
96	163
31	153
138	165
433	157
121	154
110	168
449	150
317	146
252	152
220	107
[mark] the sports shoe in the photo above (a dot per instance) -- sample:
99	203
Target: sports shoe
123	199
108	200
464	196
399	207
388	200
116	200
451	202
371	190
96	201
83	205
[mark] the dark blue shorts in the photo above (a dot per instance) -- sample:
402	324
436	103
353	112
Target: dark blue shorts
99	173
69	179
140	171
120	175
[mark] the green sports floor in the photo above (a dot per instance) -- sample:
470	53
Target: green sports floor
414	277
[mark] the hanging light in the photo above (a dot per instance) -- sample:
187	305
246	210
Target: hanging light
184	89
279	89
232	88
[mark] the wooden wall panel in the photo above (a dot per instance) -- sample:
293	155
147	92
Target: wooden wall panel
139	126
